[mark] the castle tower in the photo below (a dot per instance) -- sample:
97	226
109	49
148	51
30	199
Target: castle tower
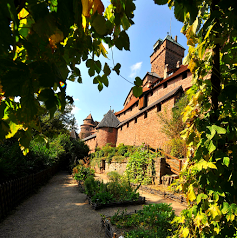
166	54
106	130
88	127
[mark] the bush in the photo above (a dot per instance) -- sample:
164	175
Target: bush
114	176
91	185
81	173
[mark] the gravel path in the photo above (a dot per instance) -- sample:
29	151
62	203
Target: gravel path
59	210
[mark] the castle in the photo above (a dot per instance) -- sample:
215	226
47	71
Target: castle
138	122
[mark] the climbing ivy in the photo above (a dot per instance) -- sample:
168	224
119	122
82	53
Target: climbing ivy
209	178
140	166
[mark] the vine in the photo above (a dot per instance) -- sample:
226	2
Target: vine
209	179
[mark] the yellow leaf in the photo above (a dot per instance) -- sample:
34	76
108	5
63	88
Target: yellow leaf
13	129
24	150
185	232
192	65
214	211
23	13
86	7
84	22
191	194
103	50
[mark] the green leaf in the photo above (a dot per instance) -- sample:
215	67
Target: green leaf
99	23
125	22
138	82
137	91
211	147
97	66
104	80
100	86
226	161
91	72
106	69
117	68
219	130
95	80
161	2
225	208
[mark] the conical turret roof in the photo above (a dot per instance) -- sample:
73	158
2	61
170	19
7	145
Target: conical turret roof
109	120
89	117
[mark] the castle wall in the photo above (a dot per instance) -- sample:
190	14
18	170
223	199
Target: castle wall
128	113
106	135
171	85
92	144
145	130
158	93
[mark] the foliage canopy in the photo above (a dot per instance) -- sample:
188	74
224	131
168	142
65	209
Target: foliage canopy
41	44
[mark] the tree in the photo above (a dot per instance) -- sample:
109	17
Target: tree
41	44
172	126
209	178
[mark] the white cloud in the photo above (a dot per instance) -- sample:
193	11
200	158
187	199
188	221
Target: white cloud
75	110
76	99
135	69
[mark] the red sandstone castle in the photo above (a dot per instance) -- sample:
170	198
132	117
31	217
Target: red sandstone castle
138	122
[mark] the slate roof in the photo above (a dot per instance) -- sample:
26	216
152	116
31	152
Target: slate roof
109	120
164	98
89	137
153	74
74	135
168	37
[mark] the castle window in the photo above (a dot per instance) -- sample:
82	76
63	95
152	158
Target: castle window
128	124
165	85
135	121
145	115
136	104
151	93
110	130
124	112
121	128
184	75
159	107
131	109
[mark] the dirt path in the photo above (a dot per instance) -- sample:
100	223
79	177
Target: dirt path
59	210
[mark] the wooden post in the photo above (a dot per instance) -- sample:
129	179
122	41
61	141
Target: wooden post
180	165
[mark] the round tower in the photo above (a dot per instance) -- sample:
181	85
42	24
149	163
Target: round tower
107	130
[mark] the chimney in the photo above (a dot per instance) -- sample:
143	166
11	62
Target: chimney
176	38
165	71
178	64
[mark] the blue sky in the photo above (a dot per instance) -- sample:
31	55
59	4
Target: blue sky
151	23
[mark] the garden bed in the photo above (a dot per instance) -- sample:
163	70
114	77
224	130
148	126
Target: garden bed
81	186
155	220
96	206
